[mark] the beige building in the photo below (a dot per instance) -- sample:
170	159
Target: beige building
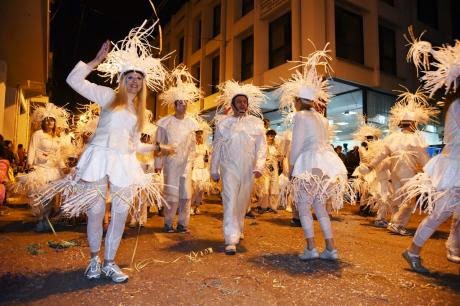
24	64
253	40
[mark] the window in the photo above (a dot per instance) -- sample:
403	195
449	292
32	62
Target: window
246	6
280	40
196	34
427	12
180	50
216	21
349	35
247	57
215	71
387	50
196	73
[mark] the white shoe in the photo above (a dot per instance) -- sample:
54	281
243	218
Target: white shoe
452	257
93	271
309	254
230	249
114	272
329	255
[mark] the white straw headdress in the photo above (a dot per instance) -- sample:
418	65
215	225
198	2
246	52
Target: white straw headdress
50	110
413	107
445	64
366	130
134	52
231	88
88	119
308	83
182	87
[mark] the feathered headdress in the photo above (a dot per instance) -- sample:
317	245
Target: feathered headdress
308	83
412	107
365	130
135	53
181	87
88	119
229	89
446	63
203	125
51	111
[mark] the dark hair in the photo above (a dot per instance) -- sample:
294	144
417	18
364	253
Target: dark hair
271	132
199	132
43	125
20	145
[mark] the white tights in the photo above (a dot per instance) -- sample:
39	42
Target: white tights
304	207
120	208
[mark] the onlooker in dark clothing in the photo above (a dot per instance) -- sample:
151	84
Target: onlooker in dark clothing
352	160
338	150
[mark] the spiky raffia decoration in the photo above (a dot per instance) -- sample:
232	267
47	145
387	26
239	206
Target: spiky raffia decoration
149	128
446	63
88	119
310	78
50	110
365	130
203	125
412	105
79	196
182	87
134	52
231	88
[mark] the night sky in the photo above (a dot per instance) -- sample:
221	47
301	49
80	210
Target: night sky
79	27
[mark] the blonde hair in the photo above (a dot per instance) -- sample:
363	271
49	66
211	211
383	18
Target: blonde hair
121	100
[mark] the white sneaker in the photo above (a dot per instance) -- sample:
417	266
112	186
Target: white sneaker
93	271
114	272
452	257
329	255
309	254
230	249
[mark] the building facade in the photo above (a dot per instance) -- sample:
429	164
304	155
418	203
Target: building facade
24	65
254	40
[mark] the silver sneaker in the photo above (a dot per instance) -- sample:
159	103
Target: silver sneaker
329	255
230	249
415	262
452	257
309	254
114	272
400	230
93	271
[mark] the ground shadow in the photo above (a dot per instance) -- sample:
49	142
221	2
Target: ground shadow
448	280
196	245
291	264
19	288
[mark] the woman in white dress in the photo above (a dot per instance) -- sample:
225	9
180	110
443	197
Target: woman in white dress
109	159
317	173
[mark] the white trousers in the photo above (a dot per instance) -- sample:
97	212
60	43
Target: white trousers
120	208
236	196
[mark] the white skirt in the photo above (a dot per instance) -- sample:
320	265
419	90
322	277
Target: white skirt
444	171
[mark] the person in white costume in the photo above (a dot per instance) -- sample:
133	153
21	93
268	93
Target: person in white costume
44	158
239	151
269	201
374	187
178	130
146	160
316	172
110	155
201	179
439	184
405	152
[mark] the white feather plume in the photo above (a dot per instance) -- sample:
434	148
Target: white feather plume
229	89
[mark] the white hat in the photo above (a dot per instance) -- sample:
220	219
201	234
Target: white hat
231	89
411	107
308	84
134	53
50	110
182	87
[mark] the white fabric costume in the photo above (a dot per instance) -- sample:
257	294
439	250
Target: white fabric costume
177	168
239	149
109	159
201	179
271	178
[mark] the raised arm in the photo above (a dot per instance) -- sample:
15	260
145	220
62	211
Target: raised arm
102	95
